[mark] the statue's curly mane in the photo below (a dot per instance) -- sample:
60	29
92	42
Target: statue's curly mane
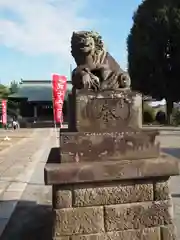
98	43
97	50
96	68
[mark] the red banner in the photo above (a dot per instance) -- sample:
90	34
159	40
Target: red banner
59	85
4	112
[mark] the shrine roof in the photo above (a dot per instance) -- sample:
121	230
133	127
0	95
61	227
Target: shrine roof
37	91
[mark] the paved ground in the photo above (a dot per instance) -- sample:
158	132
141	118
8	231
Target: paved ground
32	217
17	165
170	143
10	137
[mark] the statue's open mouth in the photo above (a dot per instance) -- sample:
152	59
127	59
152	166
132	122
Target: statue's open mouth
81	46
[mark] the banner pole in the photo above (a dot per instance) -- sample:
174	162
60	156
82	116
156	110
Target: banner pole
55	126
4	116
59	85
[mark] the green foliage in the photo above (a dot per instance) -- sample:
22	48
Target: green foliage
4	92
148	114
154	49
14	86
12	107
176	117
161	117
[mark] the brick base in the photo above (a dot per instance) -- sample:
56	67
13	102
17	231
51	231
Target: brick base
128	199
141	209
145	234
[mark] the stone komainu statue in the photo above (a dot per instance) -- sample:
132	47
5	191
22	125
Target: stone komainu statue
96	68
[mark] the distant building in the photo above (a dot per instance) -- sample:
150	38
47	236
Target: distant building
35	99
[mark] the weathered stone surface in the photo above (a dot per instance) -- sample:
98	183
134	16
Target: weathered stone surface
102	146
108	110
113	194
168	232
71	111
161	190
111	170
71	221
62	198
145	234
137	215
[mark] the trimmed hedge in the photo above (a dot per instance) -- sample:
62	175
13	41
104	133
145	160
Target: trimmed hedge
161	117
176	117
148	114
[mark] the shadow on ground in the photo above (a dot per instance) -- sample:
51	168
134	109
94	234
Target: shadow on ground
175	195
29	221
177	134
175	152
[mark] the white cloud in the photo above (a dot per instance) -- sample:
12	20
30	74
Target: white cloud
41	26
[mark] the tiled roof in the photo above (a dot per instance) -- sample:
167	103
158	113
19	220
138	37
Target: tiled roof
37	91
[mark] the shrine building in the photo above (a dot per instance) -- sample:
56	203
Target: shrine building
35	100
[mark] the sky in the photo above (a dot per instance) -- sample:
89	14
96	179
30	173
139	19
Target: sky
35	34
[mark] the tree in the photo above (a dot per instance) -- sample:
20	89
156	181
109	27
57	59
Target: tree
4	91
12	107
154	50
14	86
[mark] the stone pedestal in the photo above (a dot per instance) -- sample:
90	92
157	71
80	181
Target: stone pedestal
108	111
127	199
109	180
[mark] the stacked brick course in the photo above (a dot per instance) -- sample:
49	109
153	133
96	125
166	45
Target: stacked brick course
116	210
